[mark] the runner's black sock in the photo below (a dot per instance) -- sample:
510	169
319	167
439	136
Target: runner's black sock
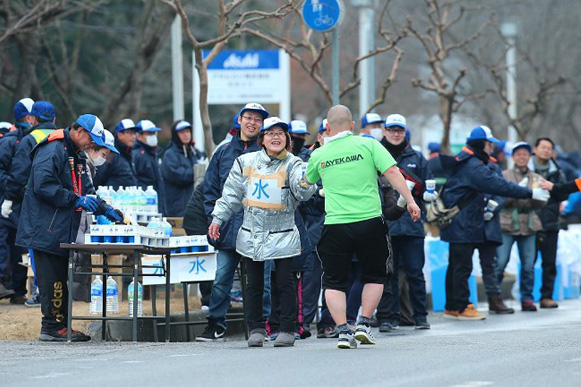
344	328
364	320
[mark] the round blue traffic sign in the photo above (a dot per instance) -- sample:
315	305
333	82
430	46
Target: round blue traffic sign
323	15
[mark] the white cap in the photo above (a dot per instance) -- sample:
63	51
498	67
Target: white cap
395	120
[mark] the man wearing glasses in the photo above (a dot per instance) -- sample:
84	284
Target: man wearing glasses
250	119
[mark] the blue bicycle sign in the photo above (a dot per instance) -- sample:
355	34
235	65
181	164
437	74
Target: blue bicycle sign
322	15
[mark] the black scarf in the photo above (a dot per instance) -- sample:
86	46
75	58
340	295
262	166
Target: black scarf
395	150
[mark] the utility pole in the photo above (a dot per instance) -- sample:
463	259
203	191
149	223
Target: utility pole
177	69
366	44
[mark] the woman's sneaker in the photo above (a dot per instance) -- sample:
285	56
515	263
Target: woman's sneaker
363	334
346	340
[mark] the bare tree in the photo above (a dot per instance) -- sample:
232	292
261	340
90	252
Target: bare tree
309	52
443	79
226	31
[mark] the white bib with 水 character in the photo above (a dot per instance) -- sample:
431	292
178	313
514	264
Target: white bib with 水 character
265	190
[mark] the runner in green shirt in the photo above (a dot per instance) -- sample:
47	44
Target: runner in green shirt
349	166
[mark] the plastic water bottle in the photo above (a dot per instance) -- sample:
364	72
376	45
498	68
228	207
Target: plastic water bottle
154	223
151	196
112	296
167	228
131	297
141	199
96	296
120	196
103	193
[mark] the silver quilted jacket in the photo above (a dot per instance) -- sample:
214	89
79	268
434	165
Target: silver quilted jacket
269	190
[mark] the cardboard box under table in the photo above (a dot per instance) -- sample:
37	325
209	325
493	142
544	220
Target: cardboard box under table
135	251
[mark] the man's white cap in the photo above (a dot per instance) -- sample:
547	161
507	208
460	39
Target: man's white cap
395	120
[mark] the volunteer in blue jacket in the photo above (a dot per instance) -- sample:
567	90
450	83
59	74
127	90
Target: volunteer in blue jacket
43	122
177	168
298	132
250	119
407	236
9	253
51	213
118	170
145	163
470	179
372	126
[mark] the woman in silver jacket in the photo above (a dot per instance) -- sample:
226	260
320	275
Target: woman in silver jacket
267	184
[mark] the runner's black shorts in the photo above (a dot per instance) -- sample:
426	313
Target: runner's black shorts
367	240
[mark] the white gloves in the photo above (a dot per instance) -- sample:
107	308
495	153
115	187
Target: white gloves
538	194
430	196
401	202
488	216
321	193
6	208
524	182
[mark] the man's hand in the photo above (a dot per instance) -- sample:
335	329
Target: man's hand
430	196
322	193
546	184
89	203
214	231
488	215
6	208
414	211
401	202
114	215
541	194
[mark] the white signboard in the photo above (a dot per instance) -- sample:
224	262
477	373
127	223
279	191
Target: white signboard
190	267
240	77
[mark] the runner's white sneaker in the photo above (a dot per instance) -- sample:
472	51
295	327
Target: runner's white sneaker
363	334
346	341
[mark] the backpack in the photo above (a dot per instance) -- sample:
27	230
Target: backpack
440	216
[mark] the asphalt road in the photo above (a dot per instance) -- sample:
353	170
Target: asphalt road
524	349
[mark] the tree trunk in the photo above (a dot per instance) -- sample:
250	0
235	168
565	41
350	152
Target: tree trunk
446	117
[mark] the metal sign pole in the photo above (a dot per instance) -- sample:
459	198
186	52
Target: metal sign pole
335	70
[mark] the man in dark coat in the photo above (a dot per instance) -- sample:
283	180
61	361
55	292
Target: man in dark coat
471	178
57	190
177	168
9	253
145	162
118	170
543	163
407	236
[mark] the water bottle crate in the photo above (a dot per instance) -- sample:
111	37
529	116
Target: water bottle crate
100	233
190	244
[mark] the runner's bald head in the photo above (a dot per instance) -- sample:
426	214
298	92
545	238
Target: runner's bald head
339	119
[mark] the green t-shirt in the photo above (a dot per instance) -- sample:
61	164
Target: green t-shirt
348	167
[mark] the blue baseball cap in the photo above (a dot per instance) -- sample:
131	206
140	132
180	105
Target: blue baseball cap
254	107
274	121
183	124
297	127
125	124
482	133
434	147
110	142
235	124
371	118
522	144
94	126
43	111
23	108
146	126
323	126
